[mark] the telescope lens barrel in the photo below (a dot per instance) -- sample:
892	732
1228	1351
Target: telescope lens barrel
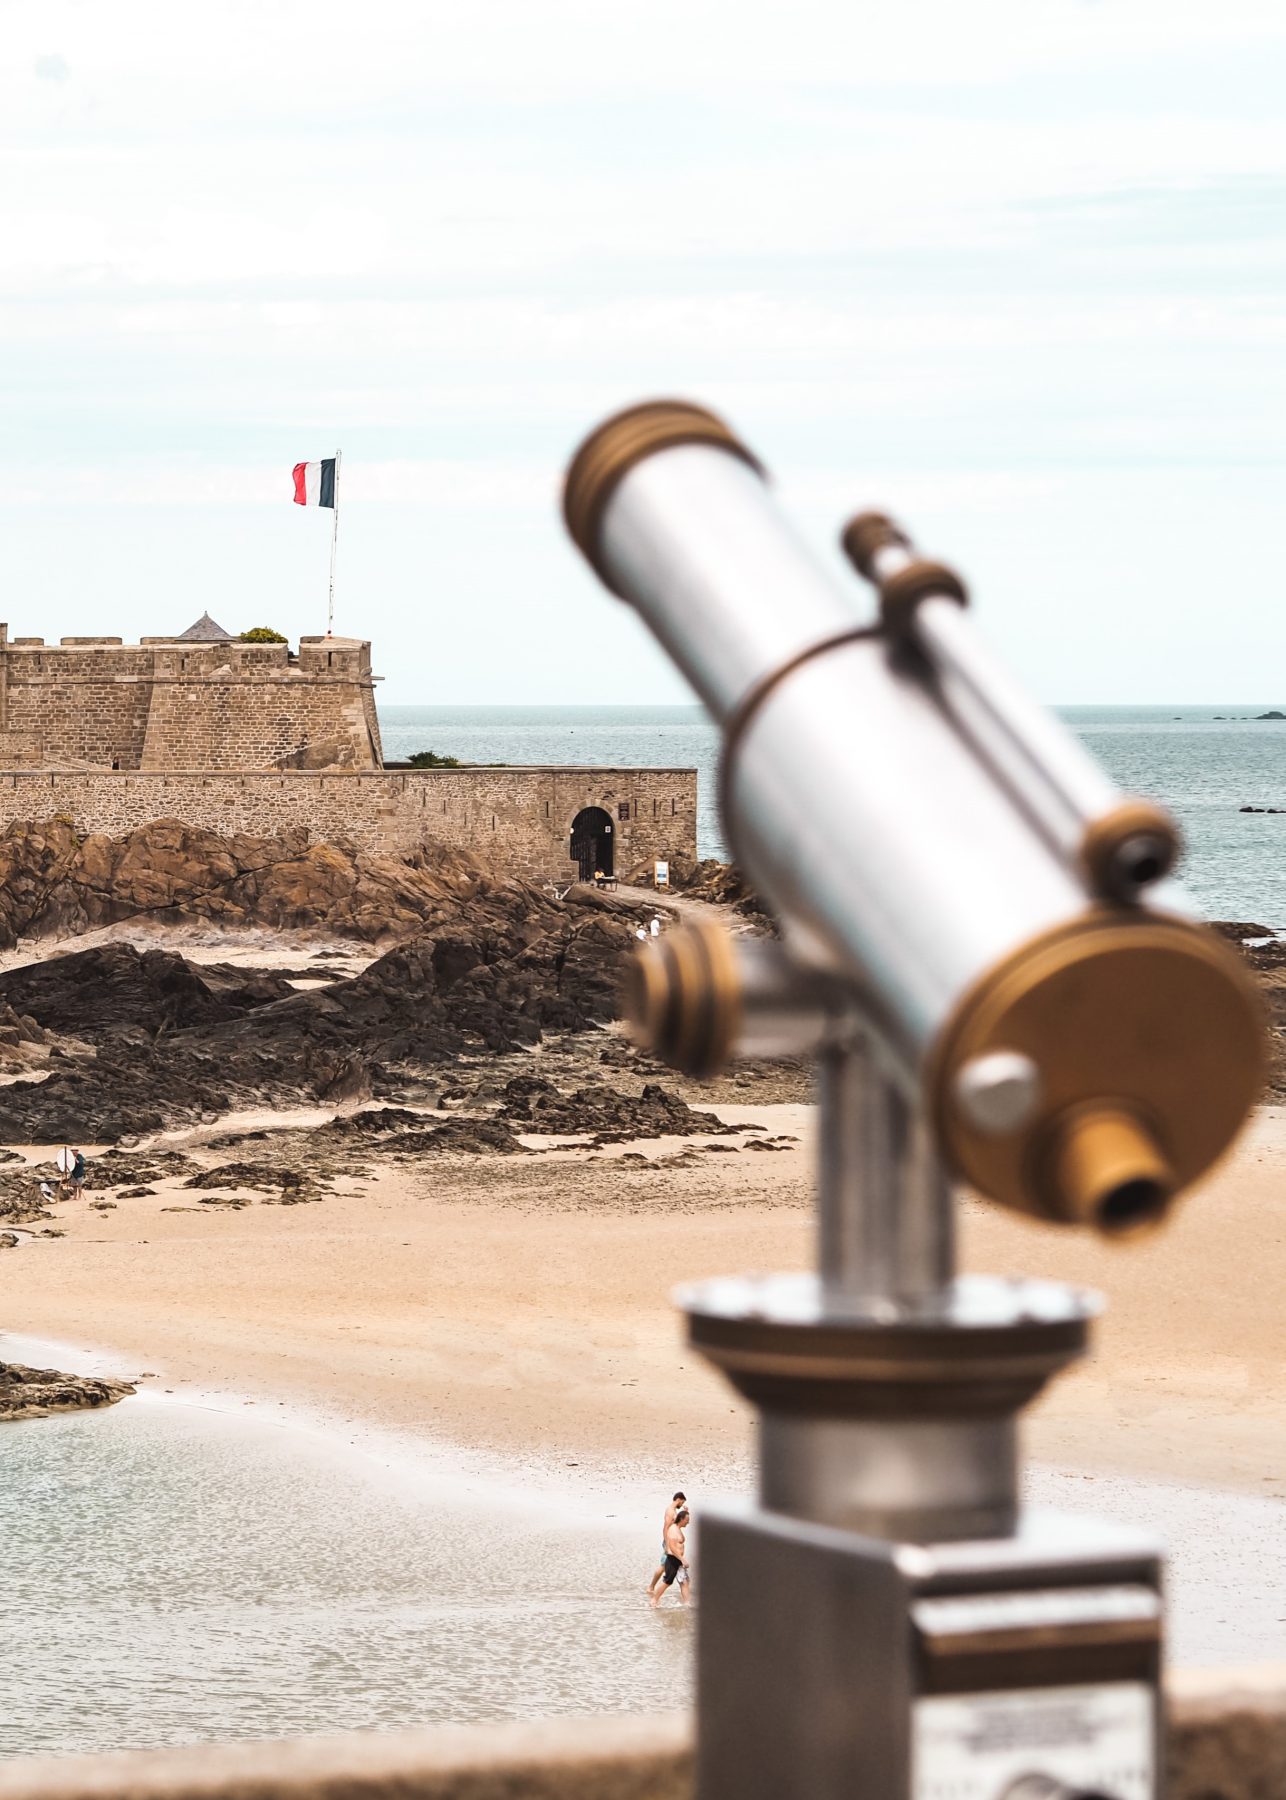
936	846
686	533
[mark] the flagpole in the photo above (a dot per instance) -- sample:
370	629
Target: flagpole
334	543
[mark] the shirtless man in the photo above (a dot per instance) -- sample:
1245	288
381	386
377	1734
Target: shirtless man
675	1568
680	1499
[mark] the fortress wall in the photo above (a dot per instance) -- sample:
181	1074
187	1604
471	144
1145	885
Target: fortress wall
255	725
371	720
167	704
247	706
517	818
92	703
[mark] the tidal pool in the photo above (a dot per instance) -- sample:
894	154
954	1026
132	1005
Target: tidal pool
171	1572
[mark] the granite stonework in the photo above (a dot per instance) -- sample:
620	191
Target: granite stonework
255	738
519	819
178	703
1227	1742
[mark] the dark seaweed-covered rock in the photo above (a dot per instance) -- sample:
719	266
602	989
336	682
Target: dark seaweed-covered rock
497	963
115	988
127	1168
21	1201
603	1113
463	1136
285	1184
373	1121
33	1393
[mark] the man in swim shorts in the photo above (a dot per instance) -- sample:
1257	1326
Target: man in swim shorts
674	1571
680	1499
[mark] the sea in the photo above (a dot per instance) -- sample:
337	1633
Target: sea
1205	763
180	1569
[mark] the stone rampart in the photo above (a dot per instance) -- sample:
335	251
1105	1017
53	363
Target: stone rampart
515	818
173	704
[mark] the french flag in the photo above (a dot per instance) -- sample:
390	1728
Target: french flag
315	483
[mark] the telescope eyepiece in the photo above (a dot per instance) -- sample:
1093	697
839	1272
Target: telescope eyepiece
1108	1171
1145	1038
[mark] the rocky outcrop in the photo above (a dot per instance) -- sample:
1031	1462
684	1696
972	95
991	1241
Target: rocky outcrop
1265	954
537	1106
55	882
155	1041
34	1393
718	883
117	988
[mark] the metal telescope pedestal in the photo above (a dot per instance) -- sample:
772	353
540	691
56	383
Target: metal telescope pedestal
886	1622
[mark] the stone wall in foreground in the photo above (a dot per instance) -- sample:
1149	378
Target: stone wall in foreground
518	818
1226	1741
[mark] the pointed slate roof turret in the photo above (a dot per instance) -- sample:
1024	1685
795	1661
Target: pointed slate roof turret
205	631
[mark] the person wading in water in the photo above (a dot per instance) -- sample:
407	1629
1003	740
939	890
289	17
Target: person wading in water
679	1500
674	1570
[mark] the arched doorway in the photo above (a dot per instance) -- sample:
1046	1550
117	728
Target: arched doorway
592	843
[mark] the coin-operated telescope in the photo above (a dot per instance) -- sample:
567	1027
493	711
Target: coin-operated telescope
980	946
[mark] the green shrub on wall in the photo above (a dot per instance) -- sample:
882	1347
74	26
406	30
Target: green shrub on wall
429	759
262	634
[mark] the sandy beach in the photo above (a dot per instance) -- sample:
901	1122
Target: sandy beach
520	1305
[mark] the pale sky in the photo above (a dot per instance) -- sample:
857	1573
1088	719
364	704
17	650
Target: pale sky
1015	270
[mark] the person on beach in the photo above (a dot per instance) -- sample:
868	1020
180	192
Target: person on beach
71	1178
677	1505
674	1570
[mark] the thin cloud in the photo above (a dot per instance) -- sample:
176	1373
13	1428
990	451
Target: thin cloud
993	265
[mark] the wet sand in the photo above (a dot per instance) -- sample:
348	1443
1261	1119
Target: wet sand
520	1306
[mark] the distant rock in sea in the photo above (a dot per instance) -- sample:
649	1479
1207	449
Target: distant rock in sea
35	1393
1271	715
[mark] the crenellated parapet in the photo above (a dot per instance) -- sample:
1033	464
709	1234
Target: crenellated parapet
187	703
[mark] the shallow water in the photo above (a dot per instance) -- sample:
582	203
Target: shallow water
1226	1569
174	1573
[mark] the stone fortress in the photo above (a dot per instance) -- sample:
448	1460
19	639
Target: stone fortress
252	737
